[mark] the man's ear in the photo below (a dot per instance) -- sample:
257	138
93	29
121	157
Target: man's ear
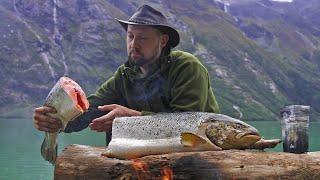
164	40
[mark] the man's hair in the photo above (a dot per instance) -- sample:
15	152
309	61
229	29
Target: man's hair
167	49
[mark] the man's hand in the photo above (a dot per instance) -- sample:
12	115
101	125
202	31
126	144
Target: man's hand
104	123
44	122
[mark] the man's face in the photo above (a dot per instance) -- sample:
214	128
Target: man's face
144	44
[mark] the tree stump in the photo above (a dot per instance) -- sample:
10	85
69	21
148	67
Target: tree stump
86	162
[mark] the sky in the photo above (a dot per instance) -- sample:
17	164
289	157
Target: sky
232	1
283	0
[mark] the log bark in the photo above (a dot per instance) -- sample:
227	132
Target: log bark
86	162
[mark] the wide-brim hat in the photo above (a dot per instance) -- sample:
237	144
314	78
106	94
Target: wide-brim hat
146	15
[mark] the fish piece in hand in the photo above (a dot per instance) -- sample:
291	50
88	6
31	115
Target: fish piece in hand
70	101
134	137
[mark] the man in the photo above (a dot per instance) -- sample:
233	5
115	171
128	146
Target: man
154	79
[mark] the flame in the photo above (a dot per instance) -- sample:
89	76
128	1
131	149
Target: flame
143	172
167	173
139	165
141	168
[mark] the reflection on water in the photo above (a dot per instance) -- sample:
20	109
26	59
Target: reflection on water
20	156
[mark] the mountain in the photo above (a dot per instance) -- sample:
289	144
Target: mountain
291	31
261	55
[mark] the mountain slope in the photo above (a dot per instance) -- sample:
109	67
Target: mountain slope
252	72
290	31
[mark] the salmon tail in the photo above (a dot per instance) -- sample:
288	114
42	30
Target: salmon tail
49	148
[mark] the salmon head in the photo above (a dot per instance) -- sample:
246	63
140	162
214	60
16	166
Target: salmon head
232	134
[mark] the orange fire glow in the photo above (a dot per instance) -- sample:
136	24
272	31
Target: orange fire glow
139	165
142	170
167	173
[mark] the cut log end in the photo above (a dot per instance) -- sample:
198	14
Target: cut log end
86	162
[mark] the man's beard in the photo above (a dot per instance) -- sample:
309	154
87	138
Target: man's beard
142	61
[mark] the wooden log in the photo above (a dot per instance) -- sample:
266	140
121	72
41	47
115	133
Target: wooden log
86	162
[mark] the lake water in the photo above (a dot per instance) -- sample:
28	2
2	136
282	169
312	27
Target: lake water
20	156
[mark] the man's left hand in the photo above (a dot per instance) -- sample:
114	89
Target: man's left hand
104	123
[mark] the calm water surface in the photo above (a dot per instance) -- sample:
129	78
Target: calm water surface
20	156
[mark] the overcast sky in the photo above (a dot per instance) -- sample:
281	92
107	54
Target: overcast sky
283	0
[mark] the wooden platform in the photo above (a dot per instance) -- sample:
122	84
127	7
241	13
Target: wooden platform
86	162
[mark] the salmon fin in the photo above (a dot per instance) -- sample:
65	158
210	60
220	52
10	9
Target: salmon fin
192	140
49	153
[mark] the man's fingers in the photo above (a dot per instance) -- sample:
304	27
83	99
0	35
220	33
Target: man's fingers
44	109
96	123
108	117
46	123
103	127
45	118
49	125
99	120
103	123
45	129
96	127
108	125
109	107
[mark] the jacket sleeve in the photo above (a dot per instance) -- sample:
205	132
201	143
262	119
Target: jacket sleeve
191	89
105	94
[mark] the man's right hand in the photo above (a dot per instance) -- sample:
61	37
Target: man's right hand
43	122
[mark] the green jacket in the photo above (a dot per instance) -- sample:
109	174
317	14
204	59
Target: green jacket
178	82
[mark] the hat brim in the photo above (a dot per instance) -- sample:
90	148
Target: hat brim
174	37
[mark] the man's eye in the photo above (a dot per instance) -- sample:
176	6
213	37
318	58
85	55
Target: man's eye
143	38
130	37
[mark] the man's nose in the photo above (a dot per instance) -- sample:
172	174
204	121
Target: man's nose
134	43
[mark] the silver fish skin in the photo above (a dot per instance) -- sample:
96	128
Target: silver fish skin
134	137
70	101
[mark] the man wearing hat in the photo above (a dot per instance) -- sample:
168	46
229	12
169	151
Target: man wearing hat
154	79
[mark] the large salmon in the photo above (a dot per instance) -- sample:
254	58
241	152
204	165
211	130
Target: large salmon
70	101
134	137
